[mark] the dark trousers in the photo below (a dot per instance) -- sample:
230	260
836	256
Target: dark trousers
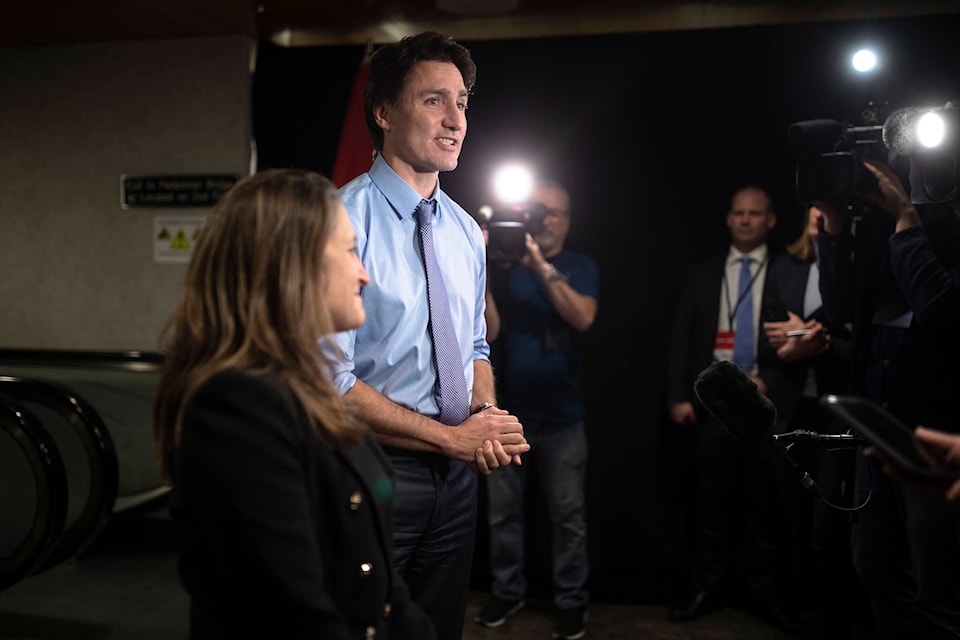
434	526
906	550
739	522
559	459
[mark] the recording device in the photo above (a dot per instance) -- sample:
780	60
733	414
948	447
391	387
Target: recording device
830	157
830	154
881	429
507	229
730	396
735	401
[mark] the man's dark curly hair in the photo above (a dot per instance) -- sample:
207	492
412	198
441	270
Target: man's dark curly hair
390	66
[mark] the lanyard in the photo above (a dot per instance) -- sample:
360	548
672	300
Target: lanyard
732	312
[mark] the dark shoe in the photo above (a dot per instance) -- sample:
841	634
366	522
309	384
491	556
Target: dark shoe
702	603
496	612
571	623
771	611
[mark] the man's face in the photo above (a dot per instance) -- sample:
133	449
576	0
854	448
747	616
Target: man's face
424	131
749	220
556	224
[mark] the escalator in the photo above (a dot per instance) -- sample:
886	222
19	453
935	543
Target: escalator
76	446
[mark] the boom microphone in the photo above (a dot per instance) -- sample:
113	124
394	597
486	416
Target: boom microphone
730	396
735	401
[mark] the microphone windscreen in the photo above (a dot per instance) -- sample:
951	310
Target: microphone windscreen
731	397
899	131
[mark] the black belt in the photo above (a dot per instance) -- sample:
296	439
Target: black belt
434	461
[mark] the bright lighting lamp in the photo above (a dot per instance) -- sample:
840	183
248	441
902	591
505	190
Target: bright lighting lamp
931	129
513	183
864	60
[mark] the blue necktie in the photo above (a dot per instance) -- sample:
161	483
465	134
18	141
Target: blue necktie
454	399
743	329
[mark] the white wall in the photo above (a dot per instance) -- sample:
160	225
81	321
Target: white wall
76	270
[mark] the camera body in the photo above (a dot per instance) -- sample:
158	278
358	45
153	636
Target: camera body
507	229
830	157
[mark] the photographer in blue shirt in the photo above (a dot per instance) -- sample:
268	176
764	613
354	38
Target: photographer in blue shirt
550	300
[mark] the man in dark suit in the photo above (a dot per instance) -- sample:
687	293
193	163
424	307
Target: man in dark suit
719	318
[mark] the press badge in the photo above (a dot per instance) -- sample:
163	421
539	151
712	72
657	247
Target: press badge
723	345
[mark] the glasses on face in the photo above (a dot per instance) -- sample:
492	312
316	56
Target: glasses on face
557	212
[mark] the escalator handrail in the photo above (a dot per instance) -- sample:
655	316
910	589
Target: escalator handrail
126	360
50	480
101	458
32	362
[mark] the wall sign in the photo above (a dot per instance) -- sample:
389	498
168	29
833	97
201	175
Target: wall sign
173	192
175	236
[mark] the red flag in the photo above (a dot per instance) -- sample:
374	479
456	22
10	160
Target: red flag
355	149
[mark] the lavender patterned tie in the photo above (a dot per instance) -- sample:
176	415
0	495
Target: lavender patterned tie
454	399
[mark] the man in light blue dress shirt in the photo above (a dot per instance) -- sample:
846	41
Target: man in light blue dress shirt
415	101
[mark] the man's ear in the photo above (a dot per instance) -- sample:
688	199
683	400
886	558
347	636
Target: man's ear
381	115
771	221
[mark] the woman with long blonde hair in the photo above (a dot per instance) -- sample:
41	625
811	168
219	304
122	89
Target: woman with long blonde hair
285	499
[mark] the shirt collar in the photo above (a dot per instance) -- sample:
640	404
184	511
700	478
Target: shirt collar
401	196
759	255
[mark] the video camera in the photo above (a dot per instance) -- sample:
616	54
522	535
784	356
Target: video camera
830	155
507	229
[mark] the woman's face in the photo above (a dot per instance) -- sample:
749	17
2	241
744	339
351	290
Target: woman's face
344	275
813	215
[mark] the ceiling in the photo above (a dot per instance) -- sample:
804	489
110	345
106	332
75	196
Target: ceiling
320	22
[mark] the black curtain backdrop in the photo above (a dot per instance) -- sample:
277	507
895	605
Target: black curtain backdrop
651	132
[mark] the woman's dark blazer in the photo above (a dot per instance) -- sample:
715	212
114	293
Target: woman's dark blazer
786	288
287	537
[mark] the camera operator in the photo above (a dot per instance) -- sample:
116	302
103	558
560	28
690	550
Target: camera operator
549	300
899	288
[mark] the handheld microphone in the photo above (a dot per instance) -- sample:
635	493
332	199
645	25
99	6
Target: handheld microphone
730	396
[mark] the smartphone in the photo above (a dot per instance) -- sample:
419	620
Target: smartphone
797	332
881	429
